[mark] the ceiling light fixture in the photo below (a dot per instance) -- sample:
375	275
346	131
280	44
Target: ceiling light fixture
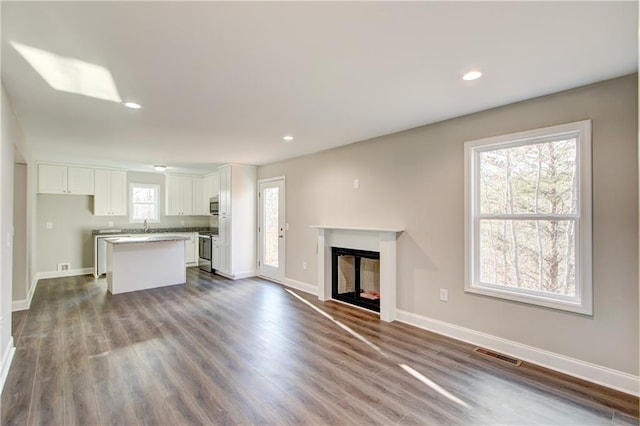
472	75
160	167
288	138
132	105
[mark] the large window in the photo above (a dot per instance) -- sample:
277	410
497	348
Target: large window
144	202
528	217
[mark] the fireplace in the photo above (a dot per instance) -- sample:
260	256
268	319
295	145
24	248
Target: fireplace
379	240
356	277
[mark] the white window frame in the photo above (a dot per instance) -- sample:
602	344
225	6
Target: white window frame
153	186
582	302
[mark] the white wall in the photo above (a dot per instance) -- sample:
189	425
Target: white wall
414	180
12	139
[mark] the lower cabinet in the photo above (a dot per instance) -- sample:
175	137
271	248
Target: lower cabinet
191	249
216	251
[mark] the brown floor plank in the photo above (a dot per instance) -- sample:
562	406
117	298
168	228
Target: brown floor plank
216	351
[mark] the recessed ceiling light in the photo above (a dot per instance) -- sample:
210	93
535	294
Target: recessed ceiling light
472	75
160	167
288	138
132	105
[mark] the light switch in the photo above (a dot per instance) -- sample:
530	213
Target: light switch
356	183
286	226
49	225
444	294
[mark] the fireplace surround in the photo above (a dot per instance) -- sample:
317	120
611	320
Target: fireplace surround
381	240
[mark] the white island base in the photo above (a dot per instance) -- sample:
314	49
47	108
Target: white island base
140	263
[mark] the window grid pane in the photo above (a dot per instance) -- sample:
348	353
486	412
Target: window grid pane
533	178
534	255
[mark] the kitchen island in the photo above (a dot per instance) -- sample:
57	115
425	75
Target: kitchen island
144	262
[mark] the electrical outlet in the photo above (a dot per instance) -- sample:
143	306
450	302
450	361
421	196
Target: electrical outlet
64	266
182	223
49	225
304	265
110	224
444	295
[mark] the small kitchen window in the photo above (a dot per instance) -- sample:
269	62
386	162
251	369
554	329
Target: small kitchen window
144	203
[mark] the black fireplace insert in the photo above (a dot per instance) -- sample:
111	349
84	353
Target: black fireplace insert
356	277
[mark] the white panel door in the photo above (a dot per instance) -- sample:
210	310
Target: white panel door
271	232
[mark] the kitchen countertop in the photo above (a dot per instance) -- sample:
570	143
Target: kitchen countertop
110	231
149	239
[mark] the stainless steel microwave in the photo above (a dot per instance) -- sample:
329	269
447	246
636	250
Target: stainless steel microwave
214	206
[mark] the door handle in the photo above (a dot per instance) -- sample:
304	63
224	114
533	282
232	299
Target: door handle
280	236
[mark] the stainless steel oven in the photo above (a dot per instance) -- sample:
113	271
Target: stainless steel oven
204	261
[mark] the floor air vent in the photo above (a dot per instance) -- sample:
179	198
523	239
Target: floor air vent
496	355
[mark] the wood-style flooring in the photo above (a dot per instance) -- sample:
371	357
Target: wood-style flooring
216	351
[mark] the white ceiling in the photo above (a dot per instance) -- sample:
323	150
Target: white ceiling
224	82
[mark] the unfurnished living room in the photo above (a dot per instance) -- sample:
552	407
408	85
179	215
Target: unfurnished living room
319	213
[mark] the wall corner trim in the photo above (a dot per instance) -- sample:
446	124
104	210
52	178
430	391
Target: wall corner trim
299	285
614	379
24	304
7	358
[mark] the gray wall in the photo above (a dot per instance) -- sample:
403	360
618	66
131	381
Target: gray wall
414	180
20	266
70	239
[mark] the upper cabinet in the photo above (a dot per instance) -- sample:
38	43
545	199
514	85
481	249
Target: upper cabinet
211	186
179	195
225	189
200	202
110	193
58	179
185	195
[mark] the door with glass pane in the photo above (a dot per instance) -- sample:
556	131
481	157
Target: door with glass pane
271	232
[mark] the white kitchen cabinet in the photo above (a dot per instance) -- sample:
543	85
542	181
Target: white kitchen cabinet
191	248
200	201
59	179
211	186
215	253
225	189
110	197
237	221
179	195
224	237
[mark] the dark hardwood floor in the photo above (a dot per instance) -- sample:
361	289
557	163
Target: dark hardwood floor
215	351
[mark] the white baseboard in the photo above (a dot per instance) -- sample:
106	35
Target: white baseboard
7	357
604	376
238	276
24	304
245	274
299	285
69	273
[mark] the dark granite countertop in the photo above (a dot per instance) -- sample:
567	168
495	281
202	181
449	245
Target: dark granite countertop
152	230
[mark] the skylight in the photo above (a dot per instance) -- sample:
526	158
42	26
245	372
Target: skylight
69	74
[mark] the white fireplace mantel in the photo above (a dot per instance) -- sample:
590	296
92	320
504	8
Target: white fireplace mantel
382	240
